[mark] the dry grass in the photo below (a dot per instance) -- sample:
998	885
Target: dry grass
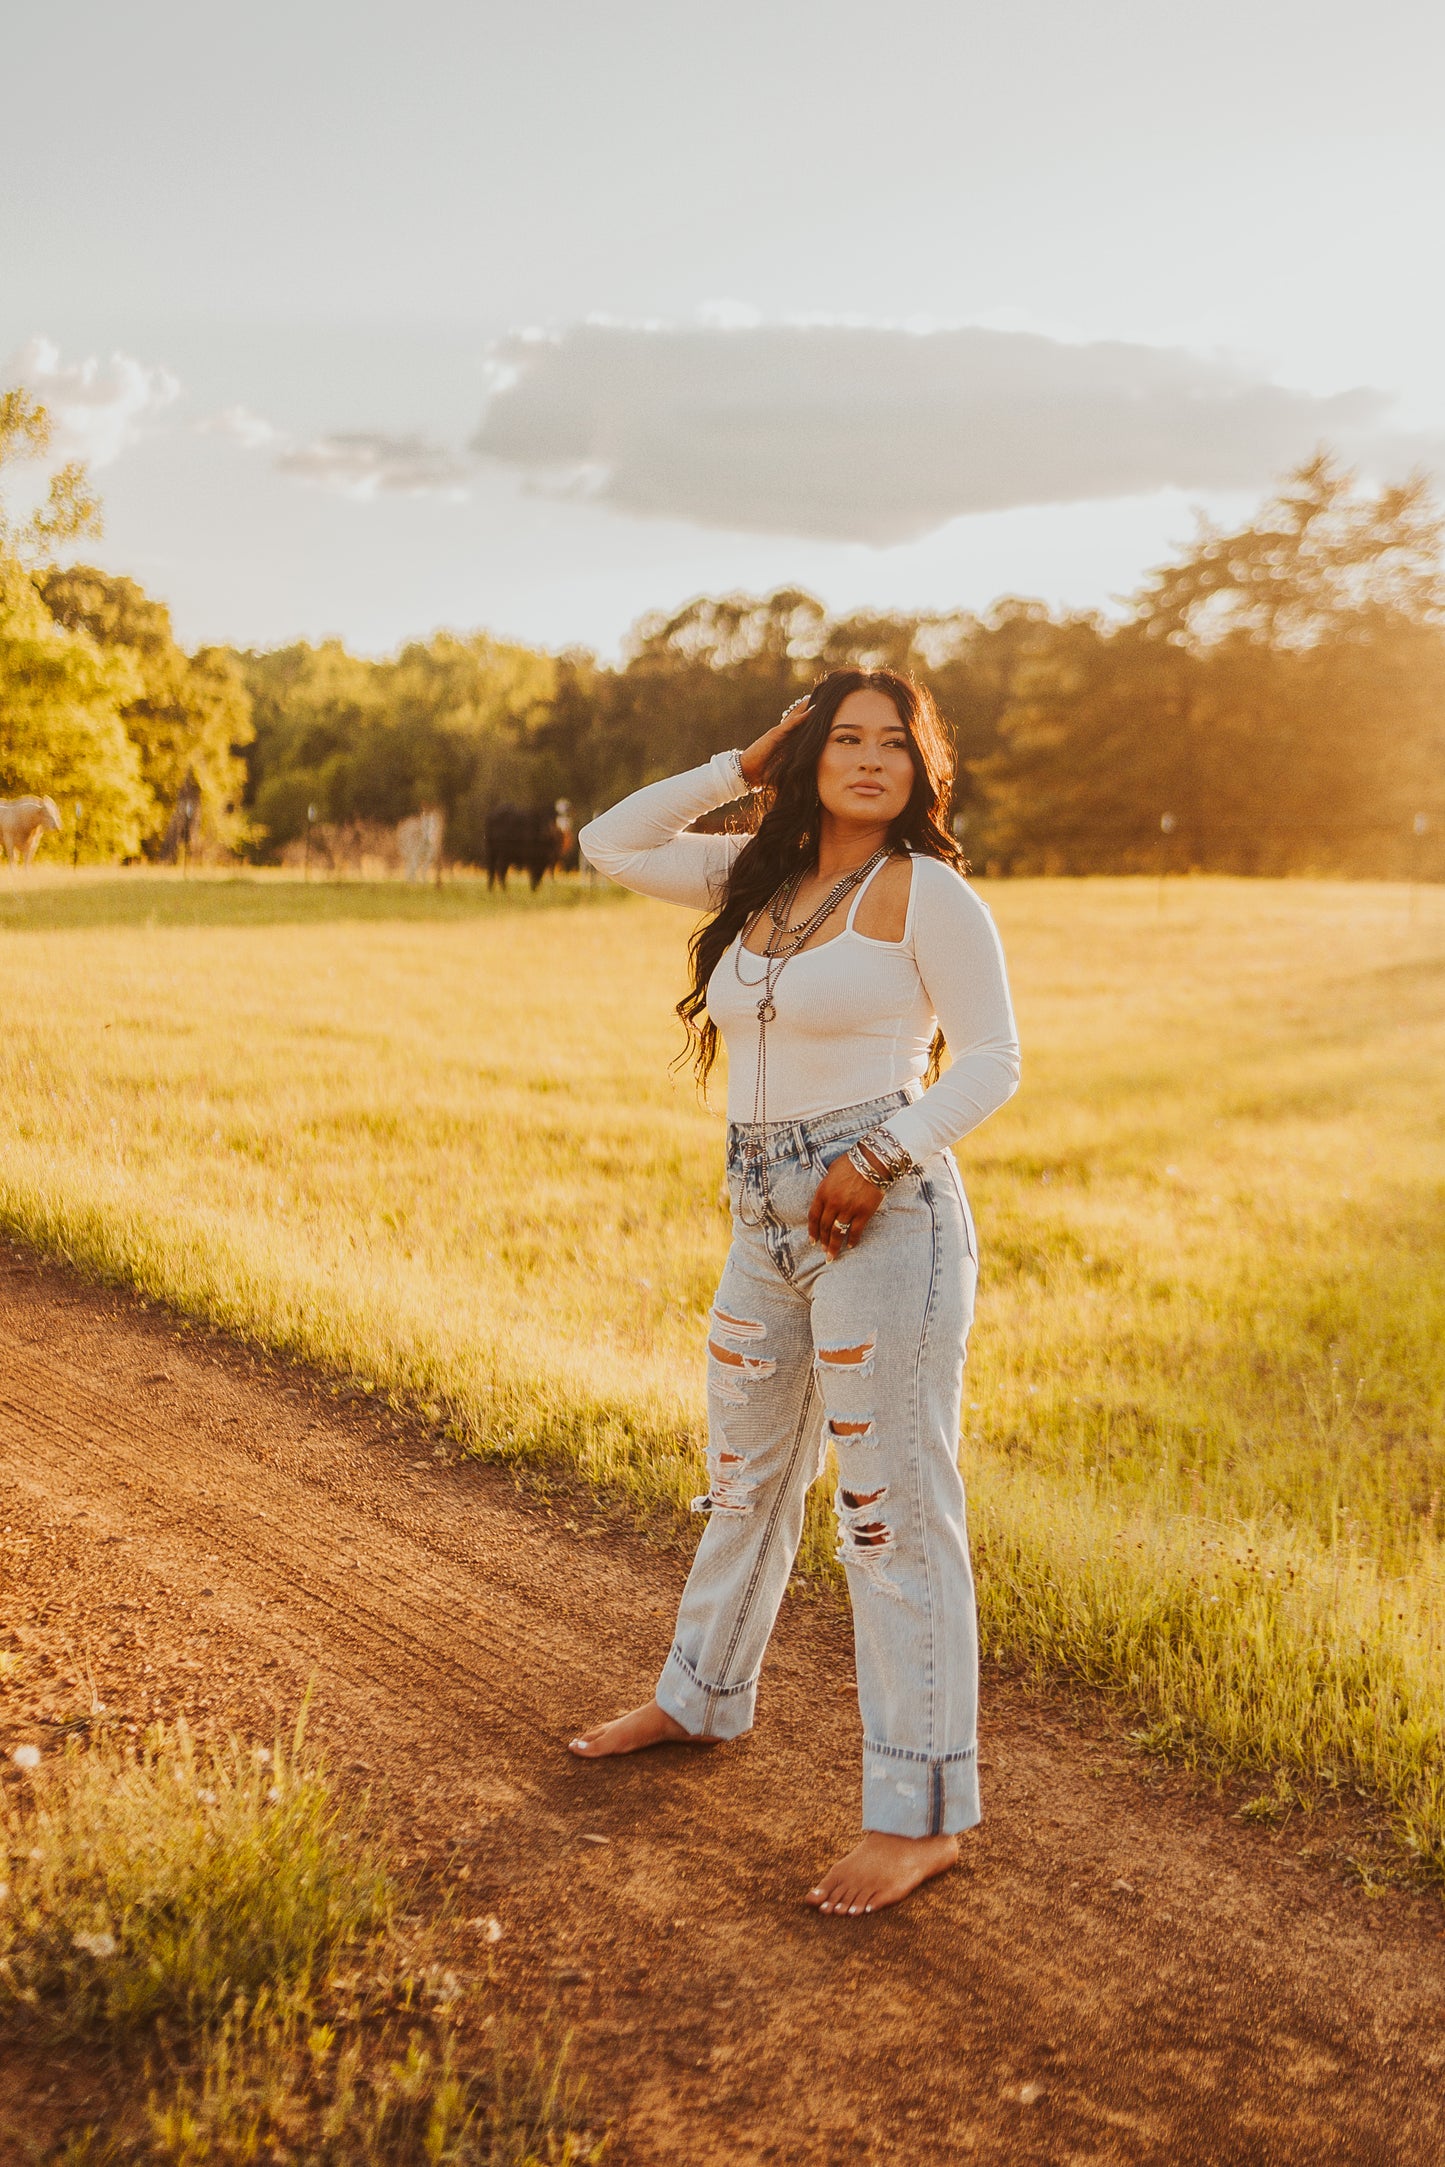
290	2088
434	1143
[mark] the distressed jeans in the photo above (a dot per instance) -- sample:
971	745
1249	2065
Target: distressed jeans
864	1356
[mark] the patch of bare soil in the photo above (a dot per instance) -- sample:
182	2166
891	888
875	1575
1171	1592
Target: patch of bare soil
1119	1972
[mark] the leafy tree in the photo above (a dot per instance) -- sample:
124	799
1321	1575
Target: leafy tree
1323	561
1274	702
68	508
61	729
189	714
308	706
457	722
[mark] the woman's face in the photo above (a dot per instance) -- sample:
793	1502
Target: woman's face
865	770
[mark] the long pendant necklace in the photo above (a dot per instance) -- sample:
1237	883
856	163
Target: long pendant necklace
783	943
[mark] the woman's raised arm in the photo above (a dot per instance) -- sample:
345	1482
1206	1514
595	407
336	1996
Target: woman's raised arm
641	843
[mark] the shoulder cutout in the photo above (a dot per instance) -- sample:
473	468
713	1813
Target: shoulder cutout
883	910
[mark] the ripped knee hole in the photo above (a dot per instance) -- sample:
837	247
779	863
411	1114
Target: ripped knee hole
868	1534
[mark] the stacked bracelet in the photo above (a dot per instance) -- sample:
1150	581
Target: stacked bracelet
888	1152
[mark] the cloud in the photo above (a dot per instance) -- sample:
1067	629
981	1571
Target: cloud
253	431
369	463
359	463
859	433
96	408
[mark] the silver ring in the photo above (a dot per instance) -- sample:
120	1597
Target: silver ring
842	1226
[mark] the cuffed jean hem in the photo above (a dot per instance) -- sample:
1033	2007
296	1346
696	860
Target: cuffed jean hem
910	1794
717	1711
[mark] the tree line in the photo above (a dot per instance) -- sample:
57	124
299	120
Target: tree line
1271	701
100	708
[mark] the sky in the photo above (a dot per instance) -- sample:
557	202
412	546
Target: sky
373	319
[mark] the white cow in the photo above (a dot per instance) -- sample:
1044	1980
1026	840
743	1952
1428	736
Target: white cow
420	842
22	823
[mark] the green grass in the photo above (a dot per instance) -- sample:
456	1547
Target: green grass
1205	1407
167	1880
46	901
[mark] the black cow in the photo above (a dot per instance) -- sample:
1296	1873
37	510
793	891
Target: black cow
531	838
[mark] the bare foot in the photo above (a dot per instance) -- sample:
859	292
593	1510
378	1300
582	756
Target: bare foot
647	1726
882	1870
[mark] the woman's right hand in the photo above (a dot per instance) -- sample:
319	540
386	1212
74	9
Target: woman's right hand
760	752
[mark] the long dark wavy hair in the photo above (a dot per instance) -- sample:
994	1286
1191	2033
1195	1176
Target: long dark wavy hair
788	818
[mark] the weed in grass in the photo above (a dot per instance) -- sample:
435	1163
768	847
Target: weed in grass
263	2085
165	1879
291	2088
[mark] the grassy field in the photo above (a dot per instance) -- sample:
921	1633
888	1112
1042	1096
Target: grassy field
431	1140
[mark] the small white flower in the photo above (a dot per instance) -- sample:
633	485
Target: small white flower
26	1756
273	1796
95	1944
491	1930
263	1755
207	1798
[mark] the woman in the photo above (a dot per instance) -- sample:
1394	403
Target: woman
842	948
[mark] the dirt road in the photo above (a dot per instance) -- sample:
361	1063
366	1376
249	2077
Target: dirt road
1120	1972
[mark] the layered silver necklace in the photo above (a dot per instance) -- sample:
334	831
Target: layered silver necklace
782	944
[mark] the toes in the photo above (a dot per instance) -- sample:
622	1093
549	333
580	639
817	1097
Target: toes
589	1745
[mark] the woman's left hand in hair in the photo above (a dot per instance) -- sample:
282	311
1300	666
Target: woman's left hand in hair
842	1205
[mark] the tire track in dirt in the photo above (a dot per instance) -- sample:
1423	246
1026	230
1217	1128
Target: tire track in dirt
1119	1974
397	1613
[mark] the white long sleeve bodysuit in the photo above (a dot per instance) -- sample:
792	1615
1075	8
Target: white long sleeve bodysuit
855	1016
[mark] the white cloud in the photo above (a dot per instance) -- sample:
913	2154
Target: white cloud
880	434
253	431
360	463
96	408
369	463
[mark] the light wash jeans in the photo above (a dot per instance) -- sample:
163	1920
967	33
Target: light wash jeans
866	1355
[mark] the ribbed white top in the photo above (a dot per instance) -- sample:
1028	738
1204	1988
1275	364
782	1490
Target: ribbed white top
855	1017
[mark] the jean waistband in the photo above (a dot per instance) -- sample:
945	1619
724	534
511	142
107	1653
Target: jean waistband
796	1138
